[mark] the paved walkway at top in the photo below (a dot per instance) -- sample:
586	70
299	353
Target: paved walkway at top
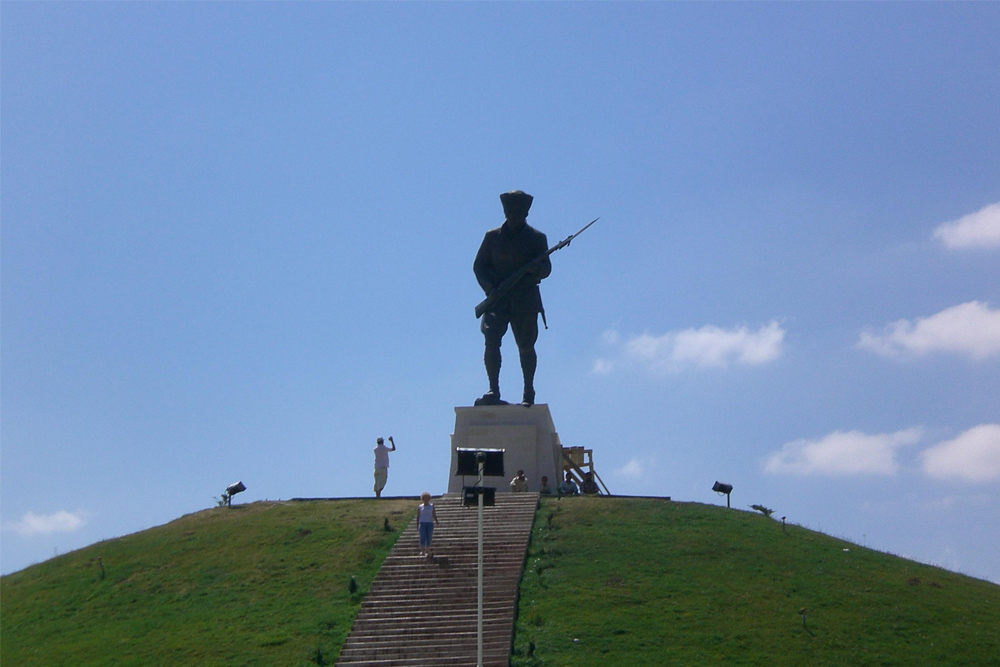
422	612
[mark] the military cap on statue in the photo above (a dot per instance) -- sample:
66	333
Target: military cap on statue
516	203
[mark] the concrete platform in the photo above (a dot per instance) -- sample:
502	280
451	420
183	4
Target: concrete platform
526	433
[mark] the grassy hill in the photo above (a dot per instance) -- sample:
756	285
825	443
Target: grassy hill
261	584
649	582
608	582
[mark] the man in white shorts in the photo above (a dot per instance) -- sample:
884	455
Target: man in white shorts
382	464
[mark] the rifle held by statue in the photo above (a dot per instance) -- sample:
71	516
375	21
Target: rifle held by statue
500	291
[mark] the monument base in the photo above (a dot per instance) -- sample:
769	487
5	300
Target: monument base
527	435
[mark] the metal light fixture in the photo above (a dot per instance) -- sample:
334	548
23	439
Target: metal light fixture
480	462
468	461
470	496
722	488
231	491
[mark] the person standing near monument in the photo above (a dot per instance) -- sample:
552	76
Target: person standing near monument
569	487
503	252
520	483
544	489
382	464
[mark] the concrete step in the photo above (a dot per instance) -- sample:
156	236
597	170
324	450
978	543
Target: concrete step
421	611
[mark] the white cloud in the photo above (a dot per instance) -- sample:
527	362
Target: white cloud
59	522
603	367
840	453
976	230
635	468
973	456
970	328
707	347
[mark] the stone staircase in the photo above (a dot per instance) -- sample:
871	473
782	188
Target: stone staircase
422	612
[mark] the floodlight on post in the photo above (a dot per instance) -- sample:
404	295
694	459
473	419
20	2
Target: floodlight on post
480	462
722	488
231	491
471	495
468	464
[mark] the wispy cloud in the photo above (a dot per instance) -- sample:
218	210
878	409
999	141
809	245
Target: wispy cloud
635	468
970	329
603	366
976	230
707	347
58	522
843	453
973	456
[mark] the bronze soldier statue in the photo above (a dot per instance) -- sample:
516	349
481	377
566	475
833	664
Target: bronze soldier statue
511	247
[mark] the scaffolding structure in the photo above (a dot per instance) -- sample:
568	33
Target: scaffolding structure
577	461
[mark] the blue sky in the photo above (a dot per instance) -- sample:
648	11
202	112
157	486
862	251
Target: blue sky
237	244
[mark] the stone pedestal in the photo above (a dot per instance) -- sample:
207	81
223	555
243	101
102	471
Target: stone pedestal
527	435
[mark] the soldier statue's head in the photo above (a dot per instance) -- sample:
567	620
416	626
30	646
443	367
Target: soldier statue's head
516	204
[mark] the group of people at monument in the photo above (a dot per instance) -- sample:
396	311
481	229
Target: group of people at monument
568	487
427	517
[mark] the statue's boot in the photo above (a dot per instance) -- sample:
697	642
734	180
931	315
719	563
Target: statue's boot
529	397
490	398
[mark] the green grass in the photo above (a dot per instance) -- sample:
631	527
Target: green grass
259	584
635	582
